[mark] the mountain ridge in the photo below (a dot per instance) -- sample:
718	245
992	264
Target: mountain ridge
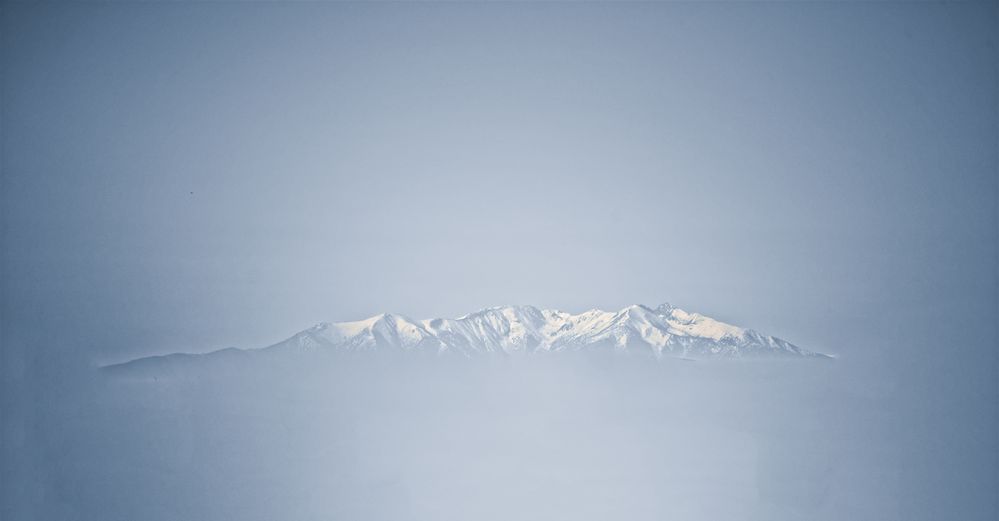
665	331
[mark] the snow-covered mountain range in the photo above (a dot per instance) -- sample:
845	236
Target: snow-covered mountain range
661	332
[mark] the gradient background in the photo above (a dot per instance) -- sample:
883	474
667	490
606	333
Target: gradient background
190	176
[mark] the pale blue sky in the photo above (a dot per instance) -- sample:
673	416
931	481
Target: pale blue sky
790	167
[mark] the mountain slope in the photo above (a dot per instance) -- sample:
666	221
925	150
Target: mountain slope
663	331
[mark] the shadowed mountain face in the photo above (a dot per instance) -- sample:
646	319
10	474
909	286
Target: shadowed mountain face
662	332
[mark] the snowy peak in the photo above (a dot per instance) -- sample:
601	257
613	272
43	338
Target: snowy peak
385	330
664	331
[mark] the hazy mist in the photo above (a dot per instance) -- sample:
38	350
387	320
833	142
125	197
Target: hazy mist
191	176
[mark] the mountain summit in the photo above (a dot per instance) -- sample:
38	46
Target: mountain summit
665	331
661	332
